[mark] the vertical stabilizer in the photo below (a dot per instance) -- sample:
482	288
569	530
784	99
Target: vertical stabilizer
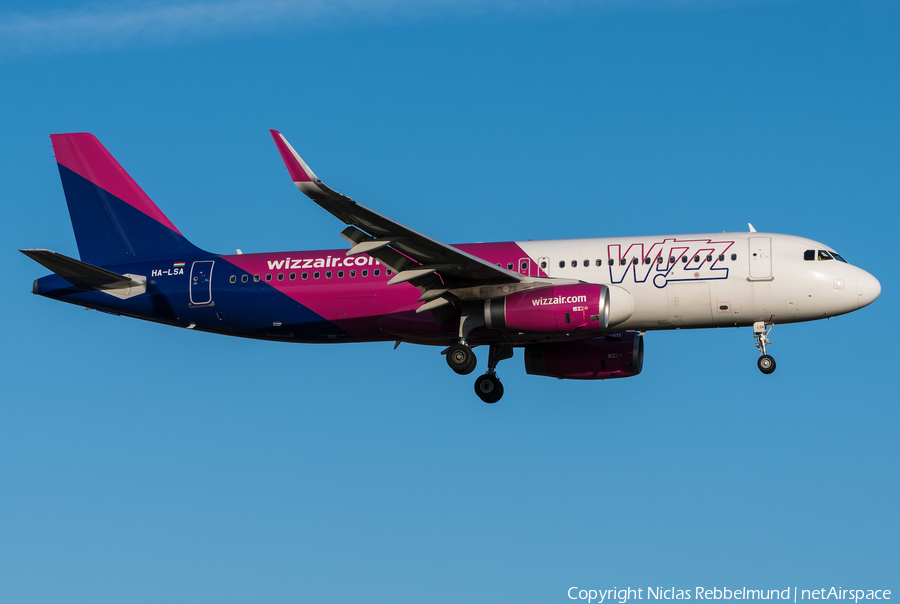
113	219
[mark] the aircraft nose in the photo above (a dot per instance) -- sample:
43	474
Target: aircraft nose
869	288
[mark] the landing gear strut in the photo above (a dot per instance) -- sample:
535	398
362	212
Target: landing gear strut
761	331
488	386
460	356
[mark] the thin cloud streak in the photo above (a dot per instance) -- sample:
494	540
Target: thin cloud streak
101	27
104	27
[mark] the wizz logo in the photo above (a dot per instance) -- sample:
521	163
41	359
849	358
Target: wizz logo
670	260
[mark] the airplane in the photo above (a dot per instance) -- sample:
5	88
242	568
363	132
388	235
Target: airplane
579	308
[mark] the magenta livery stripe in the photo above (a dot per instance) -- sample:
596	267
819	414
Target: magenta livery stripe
319	295
83	154
298	174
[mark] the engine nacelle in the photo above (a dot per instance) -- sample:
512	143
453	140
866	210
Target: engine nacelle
553	309
613	356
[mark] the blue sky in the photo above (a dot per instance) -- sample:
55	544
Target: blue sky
143	463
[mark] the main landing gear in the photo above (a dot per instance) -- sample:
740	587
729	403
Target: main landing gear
761	331
461	359
488	387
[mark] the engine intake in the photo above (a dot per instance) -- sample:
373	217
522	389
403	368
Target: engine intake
553	309
613	356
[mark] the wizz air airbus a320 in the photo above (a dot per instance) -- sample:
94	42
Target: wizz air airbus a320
578	307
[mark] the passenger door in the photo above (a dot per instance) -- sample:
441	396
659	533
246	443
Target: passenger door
201	283
760	258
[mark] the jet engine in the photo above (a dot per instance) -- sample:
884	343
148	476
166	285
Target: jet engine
612	356
553	309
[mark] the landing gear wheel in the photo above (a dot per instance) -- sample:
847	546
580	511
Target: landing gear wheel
488	388
461	359
766	364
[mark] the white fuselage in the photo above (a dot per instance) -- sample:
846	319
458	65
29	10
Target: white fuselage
709	280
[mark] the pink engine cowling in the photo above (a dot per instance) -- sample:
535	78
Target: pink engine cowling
554	309
613	356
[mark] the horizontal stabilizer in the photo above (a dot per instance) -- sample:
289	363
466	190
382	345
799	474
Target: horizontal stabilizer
78	273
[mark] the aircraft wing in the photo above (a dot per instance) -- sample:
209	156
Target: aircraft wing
436	268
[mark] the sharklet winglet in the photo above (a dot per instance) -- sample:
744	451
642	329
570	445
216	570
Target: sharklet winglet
297	168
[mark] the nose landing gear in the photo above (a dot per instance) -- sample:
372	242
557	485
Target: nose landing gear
761	331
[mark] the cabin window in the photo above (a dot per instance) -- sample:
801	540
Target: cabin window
244	278
823	255
574	263
340	274
721	257
316	275
634	261
352	273
232	279
610	262
328	274
388	272
562	264
671	259
659	259
809	255
647	260
524	266
697	258
377	272
684	259
599	262
543	264
734	256
587	263
304	276
622	261
268	276
365	273
293	276
281	276
255	278
509	266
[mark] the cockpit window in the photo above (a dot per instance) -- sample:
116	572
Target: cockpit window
809	255
823	255
838	257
